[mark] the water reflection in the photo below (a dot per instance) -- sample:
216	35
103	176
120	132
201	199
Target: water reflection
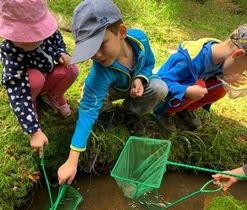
103	193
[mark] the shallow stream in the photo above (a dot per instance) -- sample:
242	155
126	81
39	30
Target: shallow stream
102	193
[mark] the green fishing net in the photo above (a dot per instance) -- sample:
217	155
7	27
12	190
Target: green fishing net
141	166
68	198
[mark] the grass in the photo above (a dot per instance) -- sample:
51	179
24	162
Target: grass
221	144
225	202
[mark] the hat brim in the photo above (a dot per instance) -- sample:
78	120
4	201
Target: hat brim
21	31
87	49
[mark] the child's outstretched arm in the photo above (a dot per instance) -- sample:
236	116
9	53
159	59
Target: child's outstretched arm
228	180
67	172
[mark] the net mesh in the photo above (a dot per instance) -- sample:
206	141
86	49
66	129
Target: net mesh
233	91
68	199
141	165
140	168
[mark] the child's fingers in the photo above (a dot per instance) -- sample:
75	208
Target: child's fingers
34	149
61	60
132	95
41	152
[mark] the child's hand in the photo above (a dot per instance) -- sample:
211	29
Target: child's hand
137	88
37	142
67	172
65	60
195	92
226	180
235	79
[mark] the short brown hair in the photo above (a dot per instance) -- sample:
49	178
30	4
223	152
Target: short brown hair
115	26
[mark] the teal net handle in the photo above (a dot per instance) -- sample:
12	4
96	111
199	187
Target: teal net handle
202	190
206	169
42	163
60	193
61	188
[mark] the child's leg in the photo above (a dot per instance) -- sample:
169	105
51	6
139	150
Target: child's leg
154	93
178	106
36	81
59	81
106	113
113	95
185	108
213	94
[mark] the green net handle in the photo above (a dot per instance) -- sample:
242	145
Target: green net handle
60	194
202	190
61	188
54	205
42	163
206	169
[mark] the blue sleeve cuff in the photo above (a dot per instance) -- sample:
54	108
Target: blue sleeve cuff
77	149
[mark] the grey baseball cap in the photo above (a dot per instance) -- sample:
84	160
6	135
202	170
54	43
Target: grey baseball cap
240	38
90	20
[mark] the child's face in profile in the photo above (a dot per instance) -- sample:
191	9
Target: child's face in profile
109	49
28	46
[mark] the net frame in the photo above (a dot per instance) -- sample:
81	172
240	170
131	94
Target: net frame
145	174
232	91
140	191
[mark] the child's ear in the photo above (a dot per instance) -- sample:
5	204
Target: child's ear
122	31
238	52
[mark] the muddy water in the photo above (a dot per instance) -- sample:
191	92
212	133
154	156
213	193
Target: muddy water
103	193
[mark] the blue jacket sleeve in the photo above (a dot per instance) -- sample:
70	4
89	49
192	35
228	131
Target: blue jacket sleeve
176	74
96	86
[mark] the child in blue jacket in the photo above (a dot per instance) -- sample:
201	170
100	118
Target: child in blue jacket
191	76
122	69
